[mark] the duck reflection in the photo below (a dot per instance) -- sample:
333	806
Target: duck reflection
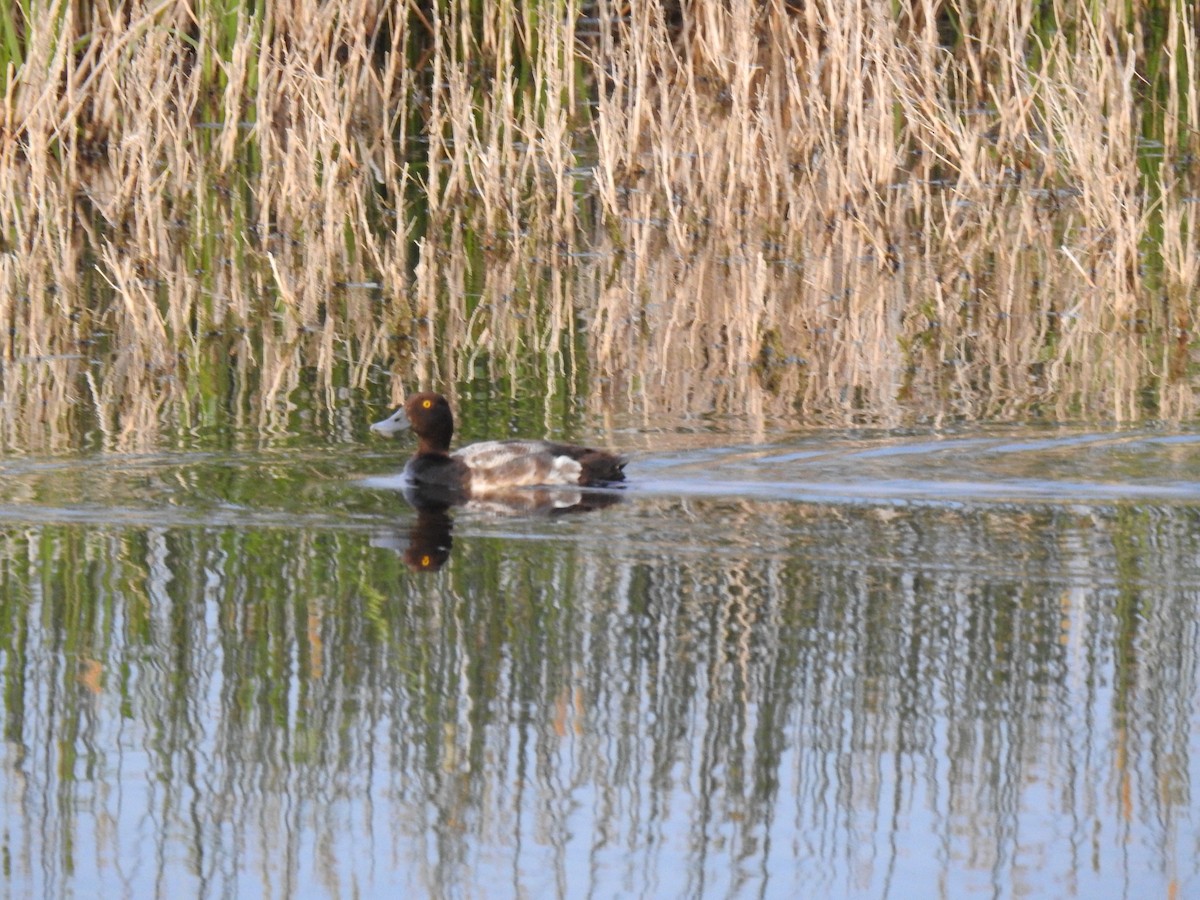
426	546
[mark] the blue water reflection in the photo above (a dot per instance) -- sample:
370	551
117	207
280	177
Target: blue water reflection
871	667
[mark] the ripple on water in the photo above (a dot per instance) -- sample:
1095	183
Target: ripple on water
288	488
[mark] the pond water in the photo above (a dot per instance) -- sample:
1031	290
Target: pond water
957	664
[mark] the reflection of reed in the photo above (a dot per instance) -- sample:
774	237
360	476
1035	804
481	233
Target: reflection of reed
835	213
782	670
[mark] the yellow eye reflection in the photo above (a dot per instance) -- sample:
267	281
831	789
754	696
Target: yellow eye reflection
425	562
426	404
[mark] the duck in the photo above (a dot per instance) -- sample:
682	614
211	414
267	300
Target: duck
491	467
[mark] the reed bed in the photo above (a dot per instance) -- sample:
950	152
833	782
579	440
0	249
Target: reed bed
850	212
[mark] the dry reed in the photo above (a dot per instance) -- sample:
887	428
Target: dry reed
832	211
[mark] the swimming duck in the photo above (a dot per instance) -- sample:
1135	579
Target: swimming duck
491	466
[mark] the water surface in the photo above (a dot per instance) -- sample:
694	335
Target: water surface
853	664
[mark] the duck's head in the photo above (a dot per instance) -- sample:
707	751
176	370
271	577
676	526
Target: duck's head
428	415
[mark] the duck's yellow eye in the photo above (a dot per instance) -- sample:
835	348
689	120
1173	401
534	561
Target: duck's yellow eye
426	404
425	561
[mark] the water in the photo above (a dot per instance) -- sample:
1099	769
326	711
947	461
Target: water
868	665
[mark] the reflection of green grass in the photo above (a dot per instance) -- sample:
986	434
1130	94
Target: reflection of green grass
284	664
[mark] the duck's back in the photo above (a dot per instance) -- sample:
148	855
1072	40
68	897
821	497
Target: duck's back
496	465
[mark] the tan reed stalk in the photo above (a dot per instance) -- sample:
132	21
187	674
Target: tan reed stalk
1045	125
816	209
